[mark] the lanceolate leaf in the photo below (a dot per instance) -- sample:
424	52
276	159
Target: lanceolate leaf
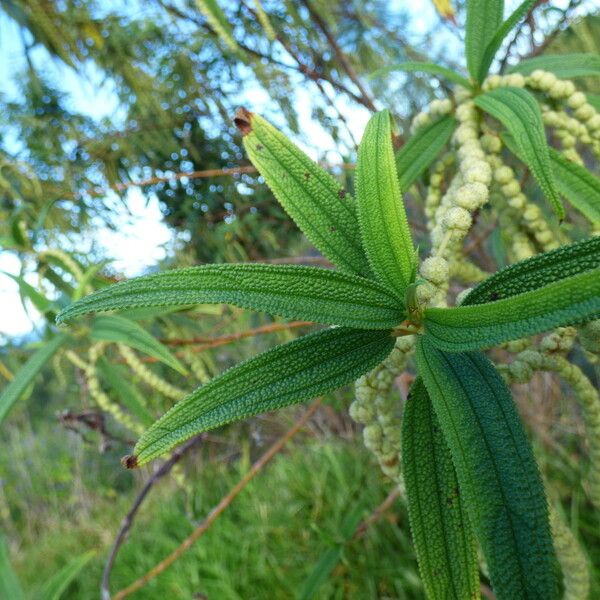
421	149
498	477
537	272
307	367
37	299
54	588
564	302
321	208
564	66
114	328
442	533
424	67
383	224
291	291
504	29
484	17
519	112
12	392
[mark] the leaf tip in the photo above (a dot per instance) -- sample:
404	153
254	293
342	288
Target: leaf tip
243	121
130	461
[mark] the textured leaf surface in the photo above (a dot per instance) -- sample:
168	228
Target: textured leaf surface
498	37
54	588
484	17
317	203
519	112
26	374
564	66
537	271
307	367
383	223
114	328
291	291
498	477
421	149
565	302
424	67
442	534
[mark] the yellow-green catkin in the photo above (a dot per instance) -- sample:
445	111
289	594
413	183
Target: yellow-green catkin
67	261
214	21
148	376
196	365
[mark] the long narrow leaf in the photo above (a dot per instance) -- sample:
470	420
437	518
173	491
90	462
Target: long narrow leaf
484	17
442	534
498	477
307	367
424	67
537	271
114	328
27	290
12	392
383	223
519	112
55	587
10	588
421	149
291	291
564	66
565	302
317	203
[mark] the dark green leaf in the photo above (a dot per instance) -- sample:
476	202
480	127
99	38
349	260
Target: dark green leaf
424	67
484	17
564	66
291	291
307	367
317	203
383	223
321	572
519	112
442	534
565	302
498	477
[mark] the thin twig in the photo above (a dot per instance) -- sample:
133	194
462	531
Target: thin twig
221	506
127	521
377	513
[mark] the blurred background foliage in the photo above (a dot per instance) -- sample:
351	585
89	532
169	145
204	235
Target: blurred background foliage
104	99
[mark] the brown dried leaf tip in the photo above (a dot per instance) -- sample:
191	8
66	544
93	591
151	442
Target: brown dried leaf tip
242	120
130	461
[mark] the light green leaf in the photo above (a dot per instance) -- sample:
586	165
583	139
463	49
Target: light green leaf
504	29
537	271
56	586
519	112
499	480
565	302
424	67
442	534
564	66
218	21
302	369
37	299
114	328
321	572
383	223
88	276
26	374
317	203
484	17
291	291
10	588
421	149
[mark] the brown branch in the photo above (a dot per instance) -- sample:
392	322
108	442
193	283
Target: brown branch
127	521
220	507
377	513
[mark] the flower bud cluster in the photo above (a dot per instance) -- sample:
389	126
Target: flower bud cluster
434	191
496	81
435	109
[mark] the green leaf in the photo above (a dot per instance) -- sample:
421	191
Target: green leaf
442	534
499	480
519	112
565	302
484	17
321	572
504	29
421	149
88	276
424	67
537	271
37	299
291	291
317	203
56	586
383	223
26	374
118	379
564	66
114	328
299	370
10	588
594	100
